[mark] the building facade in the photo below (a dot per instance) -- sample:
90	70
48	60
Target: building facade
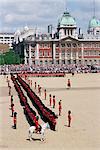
66	46
7	39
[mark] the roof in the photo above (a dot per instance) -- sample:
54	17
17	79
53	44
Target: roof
94	23
67	20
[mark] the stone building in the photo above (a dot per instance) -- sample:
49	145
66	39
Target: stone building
65	46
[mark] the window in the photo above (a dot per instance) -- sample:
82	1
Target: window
40	53
33	62
6	37
74	53
41	62
51	62
86	53
74	45
46	62
65	31
63	44
63	61
68	32
45	53
68	45
71	32
33	53
95	52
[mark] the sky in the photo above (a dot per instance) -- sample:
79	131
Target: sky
16	14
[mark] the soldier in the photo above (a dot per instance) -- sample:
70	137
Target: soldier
15	120
9	90
11	99
35	85
50	99
40	91
68	84
45	94
38	127
69	118
12	109
25	77
54	101
31	83
60	107
8	81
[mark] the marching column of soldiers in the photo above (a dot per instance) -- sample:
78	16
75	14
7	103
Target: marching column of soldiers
28	111
46	114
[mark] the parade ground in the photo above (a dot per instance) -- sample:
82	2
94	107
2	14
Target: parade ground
83	99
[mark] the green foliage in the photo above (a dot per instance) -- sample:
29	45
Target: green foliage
9	58
1	59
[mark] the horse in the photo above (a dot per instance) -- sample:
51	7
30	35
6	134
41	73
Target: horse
32	130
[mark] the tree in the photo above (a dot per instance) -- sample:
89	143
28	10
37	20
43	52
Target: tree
9	58
1	59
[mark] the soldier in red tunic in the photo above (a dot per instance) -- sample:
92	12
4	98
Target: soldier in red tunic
39	90
31	83
50	99
12	109
11	99
7	79
60	107
15	120
35	85
38	128
54	101
45	94
9	90
68	84
8	83
69	118
25	77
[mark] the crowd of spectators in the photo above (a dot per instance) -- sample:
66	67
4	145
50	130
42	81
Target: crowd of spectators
5	69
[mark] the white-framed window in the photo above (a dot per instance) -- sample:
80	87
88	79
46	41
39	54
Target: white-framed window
45	53
40	53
